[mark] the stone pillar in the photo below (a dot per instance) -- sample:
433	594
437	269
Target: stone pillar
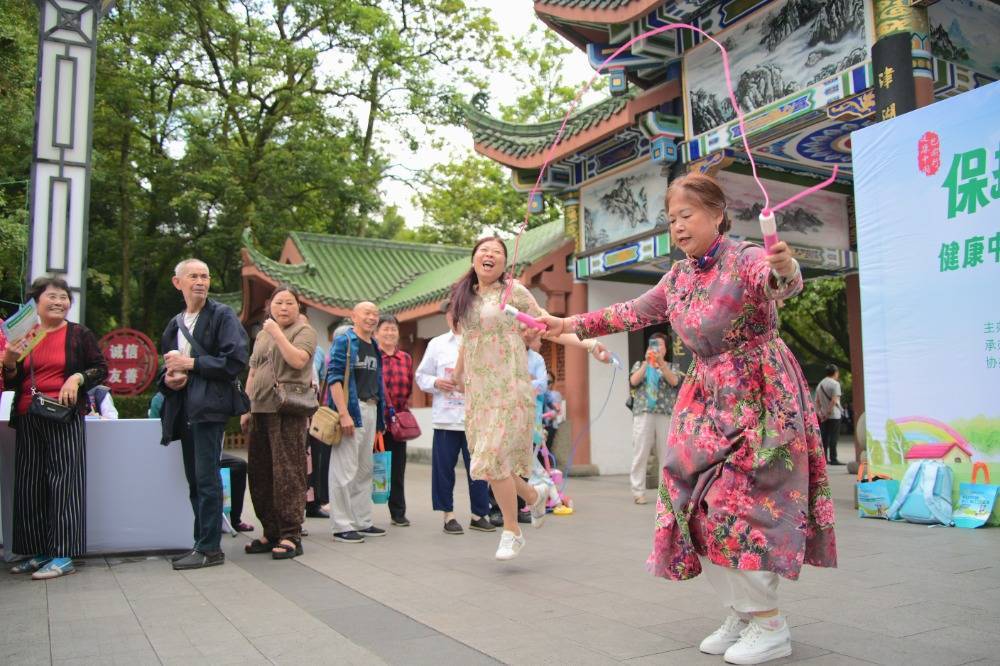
577	388
571	219
852	287
60	169
901	59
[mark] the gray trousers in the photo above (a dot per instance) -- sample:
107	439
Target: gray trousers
351	476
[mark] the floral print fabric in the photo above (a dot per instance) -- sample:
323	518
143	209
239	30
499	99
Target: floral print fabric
500	407
744	482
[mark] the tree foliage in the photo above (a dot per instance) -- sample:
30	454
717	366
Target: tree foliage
217	116
463	200
468	197
814	324
18	46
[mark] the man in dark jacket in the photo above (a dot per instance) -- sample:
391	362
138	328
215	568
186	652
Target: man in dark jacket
204	352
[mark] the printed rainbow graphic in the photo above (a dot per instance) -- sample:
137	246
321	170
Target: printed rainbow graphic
930	439
924	430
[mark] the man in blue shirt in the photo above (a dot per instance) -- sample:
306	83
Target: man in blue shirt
356	359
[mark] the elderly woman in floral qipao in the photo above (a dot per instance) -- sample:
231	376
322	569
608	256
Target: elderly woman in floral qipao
744	493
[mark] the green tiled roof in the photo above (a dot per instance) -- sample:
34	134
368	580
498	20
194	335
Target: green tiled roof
342	270
521	140
433	286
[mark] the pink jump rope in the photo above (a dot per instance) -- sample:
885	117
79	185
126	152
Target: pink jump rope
768	226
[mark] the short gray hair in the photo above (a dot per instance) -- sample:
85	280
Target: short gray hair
179	268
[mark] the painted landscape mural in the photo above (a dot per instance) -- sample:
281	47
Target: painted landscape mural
819	220
967	32
776	52
623	206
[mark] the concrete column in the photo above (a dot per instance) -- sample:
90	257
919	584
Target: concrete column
577	387
852	286
60	169
901	58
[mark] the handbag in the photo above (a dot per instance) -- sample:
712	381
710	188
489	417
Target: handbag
975	500
875	495
381	471
47	408
294	398
325	422
239	399
403	425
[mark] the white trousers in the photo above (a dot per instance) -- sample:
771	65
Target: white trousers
648	430
742	591
351	476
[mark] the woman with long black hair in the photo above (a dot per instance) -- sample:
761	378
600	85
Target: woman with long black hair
500	405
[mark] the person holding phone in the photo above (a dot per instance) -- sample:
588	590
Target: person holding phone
652	392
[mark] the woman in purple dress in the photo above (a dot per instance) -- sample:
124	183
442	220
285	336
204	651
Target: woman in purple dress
744	495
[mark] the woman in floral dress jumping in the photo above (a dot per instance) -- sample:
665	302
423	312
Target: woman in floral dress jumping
493	366
744	494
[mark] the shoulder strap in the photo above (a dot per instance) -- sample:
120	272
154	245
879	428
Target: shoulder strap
347	372
195	345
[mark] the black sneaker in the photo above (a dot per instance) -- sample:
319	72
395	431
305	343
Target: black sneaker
401	522
316	512
177	558
482	524
523	517
452	527
496	519
199	560
372	532
348	537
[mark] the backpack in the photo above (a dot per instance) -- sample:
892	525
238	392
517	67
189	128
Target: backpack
924	494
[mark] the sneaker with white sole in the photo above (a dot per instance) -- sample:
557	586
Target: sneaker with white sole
59	566
759	643
725	636
538	508
30	565
510	545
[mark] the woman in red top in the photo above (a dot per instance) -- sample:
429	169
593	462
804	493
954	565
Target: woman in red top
397	376
49	458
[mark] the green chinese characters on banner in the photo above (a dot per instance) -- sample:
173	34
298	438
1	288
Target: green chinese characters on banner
968	183
970	253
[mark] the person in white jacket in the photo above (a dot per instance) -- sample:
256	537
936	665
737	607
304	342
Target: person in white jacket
434	376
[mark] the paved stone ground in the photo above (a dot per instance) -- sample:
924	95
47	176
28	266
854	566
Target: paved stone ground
578	594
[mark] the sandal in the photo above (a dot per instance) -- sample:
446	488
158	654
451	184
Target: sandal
286	549
257	546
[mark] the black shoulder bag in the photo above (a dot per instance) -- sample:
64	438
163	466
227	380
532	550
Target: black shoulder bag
240	400
45	407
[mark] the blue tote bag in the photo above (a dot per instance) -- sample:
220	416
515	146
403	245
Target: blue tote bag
381	471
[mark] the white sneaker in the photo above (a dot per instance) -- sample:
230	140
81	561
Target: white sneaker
510	545
758	644
725	636
538	508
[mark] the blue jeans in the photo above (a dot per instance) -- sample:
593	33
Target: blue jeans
201	444
446	446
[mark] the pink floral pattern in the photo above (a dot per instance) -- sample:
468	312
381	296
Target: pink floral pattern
500	407
744	482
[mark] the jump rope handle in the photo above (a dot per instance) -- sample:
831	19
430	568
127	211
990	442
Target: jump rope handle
769	229
524	318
